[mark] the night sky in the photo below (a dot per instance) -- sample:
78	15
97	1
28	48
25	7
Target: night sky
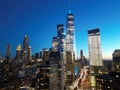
38	19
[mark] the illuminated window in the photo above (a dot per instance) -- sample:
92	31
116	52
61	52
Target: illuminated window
117	76
110	80
108	87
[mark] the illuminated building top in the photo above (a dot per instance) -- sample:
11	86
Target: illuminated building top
18	47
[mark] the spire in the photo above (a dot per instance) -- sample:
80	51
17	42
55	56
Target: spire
18	48
69	11
69	6
25	36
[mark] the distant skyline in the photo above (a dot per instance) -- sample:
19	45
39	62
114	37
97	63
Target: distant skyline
39	18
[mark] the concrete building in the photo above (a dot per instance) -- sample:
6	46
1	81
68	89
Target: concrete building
95	55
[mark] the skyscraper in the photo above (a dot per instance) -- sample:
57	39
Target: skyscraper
18	58
81	54
25	44
58	42
61	37
70	45
70	50
29	53
8	51
95	54
45	54
55	43
116	60
18	51
70	32
26	52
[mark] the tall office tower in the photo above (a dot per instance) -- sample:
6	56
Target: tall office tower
25	48
70	50
8	52
45	54
70	33
116	60
56	73
18	58
95	55
29	53
18	52
25	44
81	54
70	47
61	40
61	37
55	43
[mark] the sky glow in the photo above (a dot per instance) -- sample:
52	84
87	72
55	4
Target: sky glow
39	18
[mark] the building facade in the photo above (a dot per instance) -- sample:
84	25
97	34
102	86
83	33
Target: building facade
95	55
116	60
55	43
8	52
110	81
70	50
70	32
25	44
61	37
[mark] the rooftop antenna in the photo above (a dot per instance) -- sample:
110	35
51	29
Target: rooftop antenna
69	6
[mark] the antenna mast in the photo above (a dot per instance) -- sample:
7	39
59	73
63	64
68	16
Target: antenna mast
69	6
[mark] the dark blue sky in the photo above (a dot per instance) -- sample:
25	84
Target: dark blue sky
38	20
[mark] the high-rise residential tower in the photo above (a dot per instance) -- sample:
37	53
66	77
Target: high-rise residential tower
95	54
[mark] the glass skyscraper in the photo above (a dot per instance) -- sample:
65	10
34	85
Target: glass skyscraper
70	32
70	40
58	42
69	50
61	37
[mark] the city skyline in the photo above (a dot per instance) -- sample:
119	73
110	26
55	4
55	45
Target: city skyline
39	19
